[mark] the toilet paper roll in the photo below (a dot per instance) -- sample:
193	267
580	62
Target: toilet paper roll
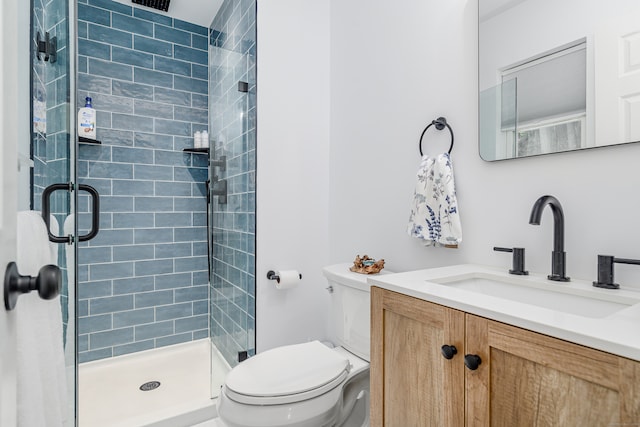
287	279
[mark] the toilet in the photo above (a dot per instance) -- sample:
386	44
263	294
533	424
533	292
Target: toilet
311	384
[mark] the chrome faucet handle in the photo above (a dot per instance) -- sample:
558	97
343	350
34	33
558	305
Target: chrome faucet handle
517	261
605	270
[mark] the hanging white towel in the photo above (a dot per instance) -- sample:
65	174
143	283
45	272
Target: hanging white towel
68	228
42	388
434	214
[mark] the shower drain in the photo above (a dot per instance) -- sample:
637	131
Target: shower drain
151	385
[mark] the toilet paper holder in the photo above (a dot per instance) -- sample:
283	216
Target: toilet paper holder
272	275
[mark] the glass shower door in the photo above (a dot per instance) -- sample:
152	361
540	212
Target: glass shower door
51	155
232	131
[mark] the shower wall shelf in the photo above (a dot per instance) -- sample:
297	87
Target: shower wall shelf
196	150
83	140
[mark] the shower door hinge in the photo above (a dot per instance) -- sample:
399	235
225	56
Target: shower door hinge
48	47
243	355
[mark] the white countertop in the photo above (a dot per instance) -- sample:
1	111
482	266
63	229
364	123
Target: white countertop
618	333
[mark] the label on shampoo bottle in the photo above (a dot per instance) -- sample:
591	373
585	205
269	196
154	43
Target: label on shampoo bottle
87	120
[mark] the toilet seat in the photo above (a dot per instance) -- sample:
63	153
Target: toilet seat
287	374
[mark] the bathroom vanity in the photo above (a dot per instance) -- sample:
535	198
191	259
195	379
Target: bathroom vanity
469	345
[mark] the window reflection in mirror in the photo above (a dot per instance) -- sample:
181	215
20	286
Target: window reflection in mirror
557	75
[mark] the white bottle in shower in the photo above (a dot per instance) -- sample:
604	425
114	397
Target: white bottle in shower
87	120
205	139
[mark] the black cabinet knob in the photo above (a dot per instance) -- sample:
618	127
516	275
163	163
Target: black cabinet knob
472	361
448	351
47	283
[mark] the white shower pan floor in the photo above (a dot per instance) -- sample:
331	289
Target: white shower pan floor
110	395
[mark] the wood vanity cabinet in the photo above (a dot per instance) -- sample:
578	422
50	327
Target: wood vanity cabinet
524	378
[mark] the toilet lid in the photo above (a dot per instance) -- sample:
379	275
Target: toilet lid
287	374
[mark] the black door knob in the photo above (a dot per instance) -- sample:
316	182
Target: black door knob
472	361
47	283
448	351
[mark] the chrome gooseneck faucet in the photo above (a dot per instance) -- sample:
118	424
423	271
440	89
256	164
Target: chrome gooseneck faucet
558	257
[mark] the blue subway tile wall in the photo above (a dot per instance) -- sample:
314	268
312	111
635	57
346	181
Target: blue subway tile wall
233	129
141	279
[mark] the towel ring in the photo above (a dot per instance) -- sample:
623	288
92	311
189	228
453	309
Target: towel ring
440	124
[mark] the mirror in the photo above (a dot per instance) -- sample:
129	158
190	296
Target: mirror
557	75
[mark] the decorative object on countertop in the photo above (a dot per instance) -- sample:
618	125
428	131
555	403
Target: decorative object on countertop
367	265
434	216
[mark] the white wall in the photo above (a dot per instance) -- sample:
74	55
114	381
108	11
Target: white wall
293	160
397	65
394	67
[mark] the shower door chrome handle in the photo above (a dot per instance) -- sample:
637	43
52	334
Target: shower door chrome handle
95	212
46	210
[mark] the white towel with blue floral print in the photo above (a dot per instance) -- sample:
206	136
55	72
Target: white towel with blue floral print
434	208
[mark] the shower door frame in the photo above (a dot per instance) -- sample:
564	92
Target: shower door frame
232	291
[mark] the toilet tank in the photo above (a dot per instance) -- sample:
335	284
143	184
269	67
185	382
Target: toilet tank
350	311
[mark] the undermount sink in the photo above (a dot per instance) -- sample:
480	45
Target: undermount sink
565	298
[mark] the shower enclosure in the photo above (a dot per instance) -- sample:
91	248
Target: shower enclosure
51	154
161	303
232	118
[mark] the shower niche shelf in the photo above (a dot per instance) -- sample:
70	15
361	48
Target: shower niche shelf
83	140
196	150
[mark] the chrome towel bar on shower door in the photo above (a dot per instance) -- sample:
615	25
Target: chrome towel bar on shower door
95	211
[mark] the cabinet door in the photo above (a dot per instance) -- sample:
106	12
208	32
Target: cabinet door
412	384
529	379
